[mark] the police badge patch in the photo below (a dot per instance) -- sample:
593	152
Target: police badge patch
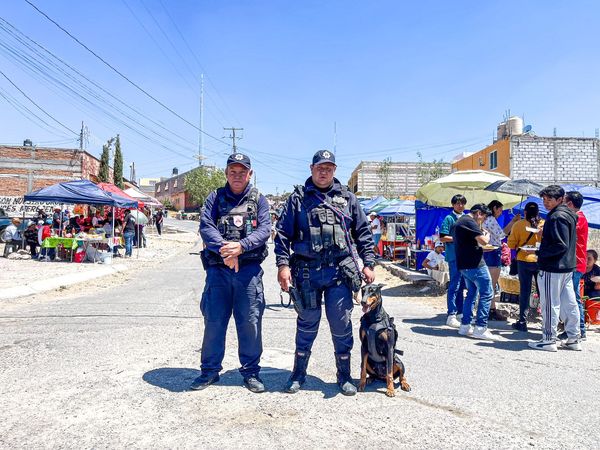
238	221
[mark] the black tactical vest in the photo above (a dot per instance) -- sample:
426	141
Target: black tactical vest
234	224
327	239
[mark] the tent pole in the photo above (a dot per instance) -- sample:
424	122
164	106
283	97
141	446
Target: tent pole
114	235
139	231
23	232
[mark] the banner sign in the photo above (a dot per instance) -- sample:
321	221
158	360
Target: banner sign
14	206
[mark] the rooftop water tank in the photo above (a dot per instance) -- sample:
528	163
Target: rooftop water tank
514	126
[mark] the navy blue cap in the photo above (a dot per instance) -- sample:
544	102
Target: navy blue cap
323	156
239	158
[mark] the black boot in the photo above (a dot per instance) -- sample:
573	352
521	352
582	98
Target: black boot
342	361
298	375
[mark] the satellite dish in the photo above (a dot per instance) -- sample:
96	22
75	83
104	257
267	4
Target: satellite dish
527	128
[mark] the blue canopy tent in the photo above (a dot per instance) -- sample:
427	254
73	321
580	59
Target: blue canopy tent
403	208
79	191
368	204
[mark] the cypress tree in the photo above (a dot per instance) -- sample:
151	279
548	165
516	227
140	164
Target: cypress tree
118	165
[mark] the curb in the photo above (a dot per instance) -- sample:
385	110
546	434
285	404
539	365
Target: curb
405	274
40	286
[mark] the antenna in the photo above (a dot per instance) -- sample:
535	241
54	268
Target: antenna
201	133
334	137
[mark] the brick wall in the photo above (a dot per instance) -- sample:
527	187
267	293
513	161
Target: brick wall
555	159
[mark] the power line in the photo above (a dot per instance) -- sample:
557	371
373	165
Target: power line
114	69
38	106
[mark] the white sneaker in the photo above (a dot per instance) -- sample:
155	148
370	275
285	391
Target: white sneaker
483	333
452	321
466	330
572	344
548	346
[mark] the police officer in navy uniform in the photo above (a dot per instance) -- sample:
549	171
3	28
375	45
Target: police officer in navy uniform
234	226
320	225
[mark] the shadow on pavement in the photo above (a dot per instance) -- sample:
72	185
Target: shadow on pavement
179	379
513	346
439	332
434	321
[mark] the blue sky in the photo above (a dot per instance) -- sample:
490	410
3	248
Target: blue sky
396	77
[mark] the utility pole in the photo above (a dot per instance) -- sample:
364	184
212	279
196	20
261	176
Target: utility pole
201	133
132	172
81	137
233	137
254	179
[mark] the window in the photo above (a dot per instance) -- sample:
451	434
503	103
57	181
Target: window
494	160
175	183
157	187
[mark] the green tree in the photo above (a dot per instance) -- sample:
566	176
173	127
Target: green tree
103	172
118	165
428	171
202	181
384	172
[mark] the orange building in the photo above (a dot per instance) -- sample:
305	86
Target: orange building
493	158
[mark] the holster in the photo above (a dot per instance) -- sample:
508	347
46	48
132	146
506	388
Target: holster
296	299
350	273
306	293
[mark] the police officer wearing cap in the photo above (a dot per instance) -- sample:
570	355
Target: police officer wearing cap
234	226
320	225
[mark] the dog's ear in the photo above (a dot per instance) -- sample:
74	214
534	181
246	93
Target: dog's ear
380	285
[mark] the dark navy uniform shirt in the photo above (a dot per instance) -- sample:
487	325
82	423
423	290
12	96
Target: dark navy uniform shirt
208	222
290	225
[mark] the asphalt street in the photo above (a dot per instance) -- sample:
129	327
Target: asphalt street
111	369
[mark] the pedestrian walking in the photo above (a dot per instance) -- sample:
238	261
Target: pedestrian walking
456	285
557	262
469	239
319	225
376	231
574	201
158	221
235	226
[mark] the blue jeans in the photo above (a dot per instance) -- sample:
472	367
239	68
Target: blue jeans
240	293
128	235
576	279
479	281
456	287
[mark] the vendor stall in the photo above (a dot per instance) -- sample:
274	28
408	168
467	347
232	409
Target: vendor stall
78	192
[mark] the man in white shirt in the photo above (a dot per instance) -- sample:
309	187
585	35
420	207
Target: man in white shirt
375	230
434	258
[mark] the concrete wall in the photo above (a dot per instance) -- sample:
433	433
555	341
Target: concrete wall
481	159
555	159
404	178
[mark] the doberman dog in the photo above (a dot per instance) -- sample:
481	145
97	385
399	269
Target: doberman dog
380	359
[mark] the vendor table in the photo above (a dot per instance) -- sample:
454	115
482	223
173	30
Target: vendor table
55	241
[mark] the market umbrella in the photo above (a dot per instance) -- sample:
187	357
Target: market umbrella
471	184
522	187
140	217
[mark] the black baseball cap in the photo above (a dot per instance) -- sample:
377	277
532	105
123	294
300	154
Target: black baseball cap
239	158
323	156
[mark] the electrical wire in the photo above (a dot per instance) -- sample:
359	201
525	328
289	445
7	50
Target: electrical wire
118	72
38	106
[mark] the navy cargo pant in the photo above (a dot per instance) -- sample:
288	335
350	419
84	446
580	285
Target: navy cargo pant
327	283
241	293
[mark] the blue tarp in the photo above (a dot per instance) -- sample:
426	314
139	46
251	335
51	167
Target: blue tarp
591	209
404	208
80	191
428	218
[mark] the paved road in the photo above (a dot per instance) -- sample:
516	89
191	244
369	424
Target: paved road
111	370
